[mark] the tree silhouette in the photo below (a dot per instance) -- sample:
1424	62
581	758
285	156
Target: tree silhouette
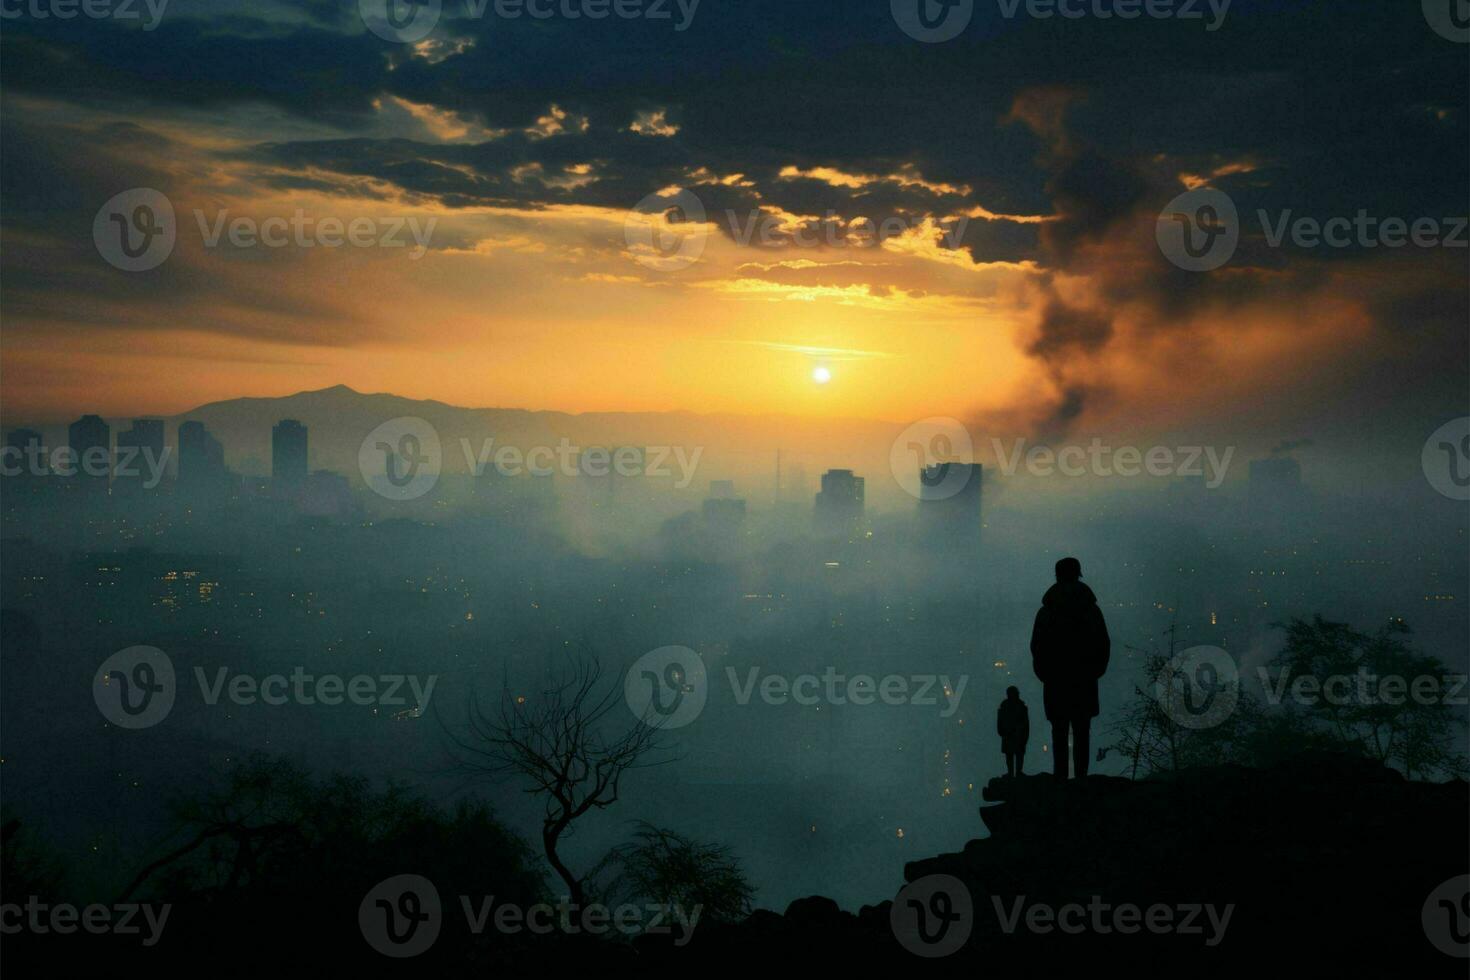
667	868
565	746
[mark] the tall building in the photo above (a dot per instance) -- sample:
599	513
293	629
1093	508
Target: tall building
839	506
25	453
201	460
288	456
140	459
949	506
90	440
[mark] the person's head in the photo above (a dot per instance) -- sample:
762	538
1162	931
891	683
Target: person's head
1013	694
1069	570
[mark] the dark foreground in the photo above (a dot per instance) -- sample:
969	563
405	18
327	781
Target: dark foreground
1320	865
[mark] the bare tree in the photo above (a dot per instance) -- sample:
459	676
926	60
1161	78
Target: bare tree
563	744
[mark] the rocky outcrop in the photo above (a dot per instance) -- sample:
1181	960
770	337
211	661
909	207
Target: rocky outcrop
1324	863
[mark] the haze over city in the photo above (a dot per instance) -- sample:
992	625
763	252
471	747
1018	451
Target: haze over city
732	459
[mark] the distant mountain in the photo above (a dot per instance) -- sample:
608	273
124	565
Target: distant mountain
339	419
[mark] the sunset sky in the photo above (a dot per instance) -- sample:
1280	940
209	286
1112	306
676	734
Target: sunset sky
1021	169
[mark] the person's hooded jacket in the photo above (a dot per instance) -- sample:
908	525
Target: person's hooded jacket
1069	650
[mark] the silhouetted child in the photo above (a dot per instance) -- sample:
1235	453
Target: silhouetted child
1013	725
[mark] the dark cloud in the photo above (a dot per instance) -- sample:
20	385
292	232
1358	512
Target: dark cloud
1320	108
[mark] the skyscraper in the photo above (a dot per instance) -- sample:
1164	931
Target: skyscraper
288	456
25	453
949	506
90	439
201	460
140	456
839	507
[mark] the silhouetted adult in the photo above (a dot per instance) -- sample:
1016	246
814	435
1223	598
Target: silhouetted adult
1069	652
